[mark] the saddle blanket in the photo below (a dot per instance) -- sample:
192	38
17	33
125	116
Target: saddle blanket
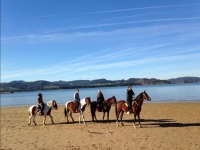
127	103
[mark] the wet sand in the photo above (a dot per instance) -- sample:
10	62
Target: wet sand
164	126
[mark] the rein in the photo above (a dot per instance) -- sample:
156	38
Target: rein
137	103
138	99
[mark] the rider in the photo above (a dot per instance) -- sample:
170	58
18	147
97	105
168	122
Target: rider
100	99
76	100
40	103
129	96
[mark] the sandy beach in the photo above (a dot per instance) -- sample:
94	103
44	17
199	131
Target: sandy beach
164	126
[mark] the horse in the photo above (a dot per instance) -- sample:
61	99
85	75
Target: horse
120	107
106	108
47	111
70	108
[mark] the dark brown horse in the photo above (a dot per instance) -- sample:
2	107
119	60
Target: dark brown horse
70	108
106	108
136	107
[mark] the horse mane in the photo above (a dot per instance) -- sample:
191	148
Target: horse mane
50	103
138	97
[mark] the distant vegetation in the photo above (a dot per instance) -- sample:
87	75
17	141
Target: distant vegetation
18	86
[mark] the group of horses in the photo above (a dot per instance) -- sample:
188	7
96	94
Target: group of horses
120	108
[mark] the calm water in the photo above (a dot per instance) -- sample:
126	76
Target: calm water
158	93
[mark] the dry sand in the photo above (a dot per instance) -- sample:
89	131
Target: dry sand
164	126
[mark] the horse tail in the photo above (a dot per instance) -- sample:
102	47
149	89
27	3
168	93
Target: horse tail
29	111
116	109
65	111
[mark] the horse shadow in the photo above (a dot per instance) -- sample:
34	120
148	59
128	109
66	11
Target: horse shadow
164	123
146	123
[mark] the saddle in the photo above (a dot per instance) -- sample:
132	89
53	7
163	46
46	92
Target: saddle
39	110
127	103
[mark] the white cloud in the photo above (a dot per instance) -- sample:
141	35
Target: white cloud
53	35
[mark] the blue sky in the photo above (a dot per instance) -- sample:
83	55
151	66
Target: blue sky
71	40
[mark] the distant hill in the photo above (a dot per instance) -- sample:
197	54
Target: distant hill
14	86
185	80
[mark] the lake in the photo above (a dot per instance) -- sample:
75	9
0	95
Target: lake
189	92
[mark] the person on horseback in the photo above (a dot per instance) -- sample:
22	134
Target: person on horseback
40	103
100	99
76	100
129	96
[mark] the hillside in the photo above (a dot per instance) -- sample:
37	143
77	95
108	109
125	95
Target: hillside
185	80
14	86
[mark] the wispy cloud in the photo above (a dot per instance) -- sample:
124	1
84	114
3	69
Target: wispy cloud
117	10
43	34
96	63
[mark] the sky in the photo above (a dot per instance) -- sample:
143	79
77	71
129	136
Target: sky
86	40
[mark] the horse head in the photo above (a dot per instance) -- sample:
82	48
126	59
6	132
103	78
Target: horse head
146	96
114	99
111	101
52	104
87	100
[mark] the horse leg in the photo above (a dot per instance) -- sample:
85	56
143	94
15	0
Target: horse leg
51	119
95	117
30	117
71	116
103	116
83	118
34	119
108	116
134	120
117	119
121	116
81	115
139	120
117	116
92	114
44	120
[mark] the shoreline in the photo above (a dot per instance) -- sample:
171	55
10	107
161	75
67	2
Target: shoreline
146	102
85	87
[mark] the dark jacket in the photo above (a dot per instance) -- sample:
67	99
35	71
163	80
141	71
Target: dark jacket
100	97
129	95
39	100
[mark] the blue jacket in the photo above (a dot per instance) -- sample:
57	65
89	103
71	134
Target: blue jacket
76	97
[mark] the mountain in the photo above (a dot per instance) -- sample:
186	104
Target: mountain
185	80
14	86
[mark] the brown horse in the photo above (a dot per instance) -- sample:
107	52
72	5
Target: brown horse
47	111
106	108
136	107
70	108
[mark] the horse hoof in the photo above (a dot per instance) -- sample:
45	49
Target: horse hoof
28	124
52	122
